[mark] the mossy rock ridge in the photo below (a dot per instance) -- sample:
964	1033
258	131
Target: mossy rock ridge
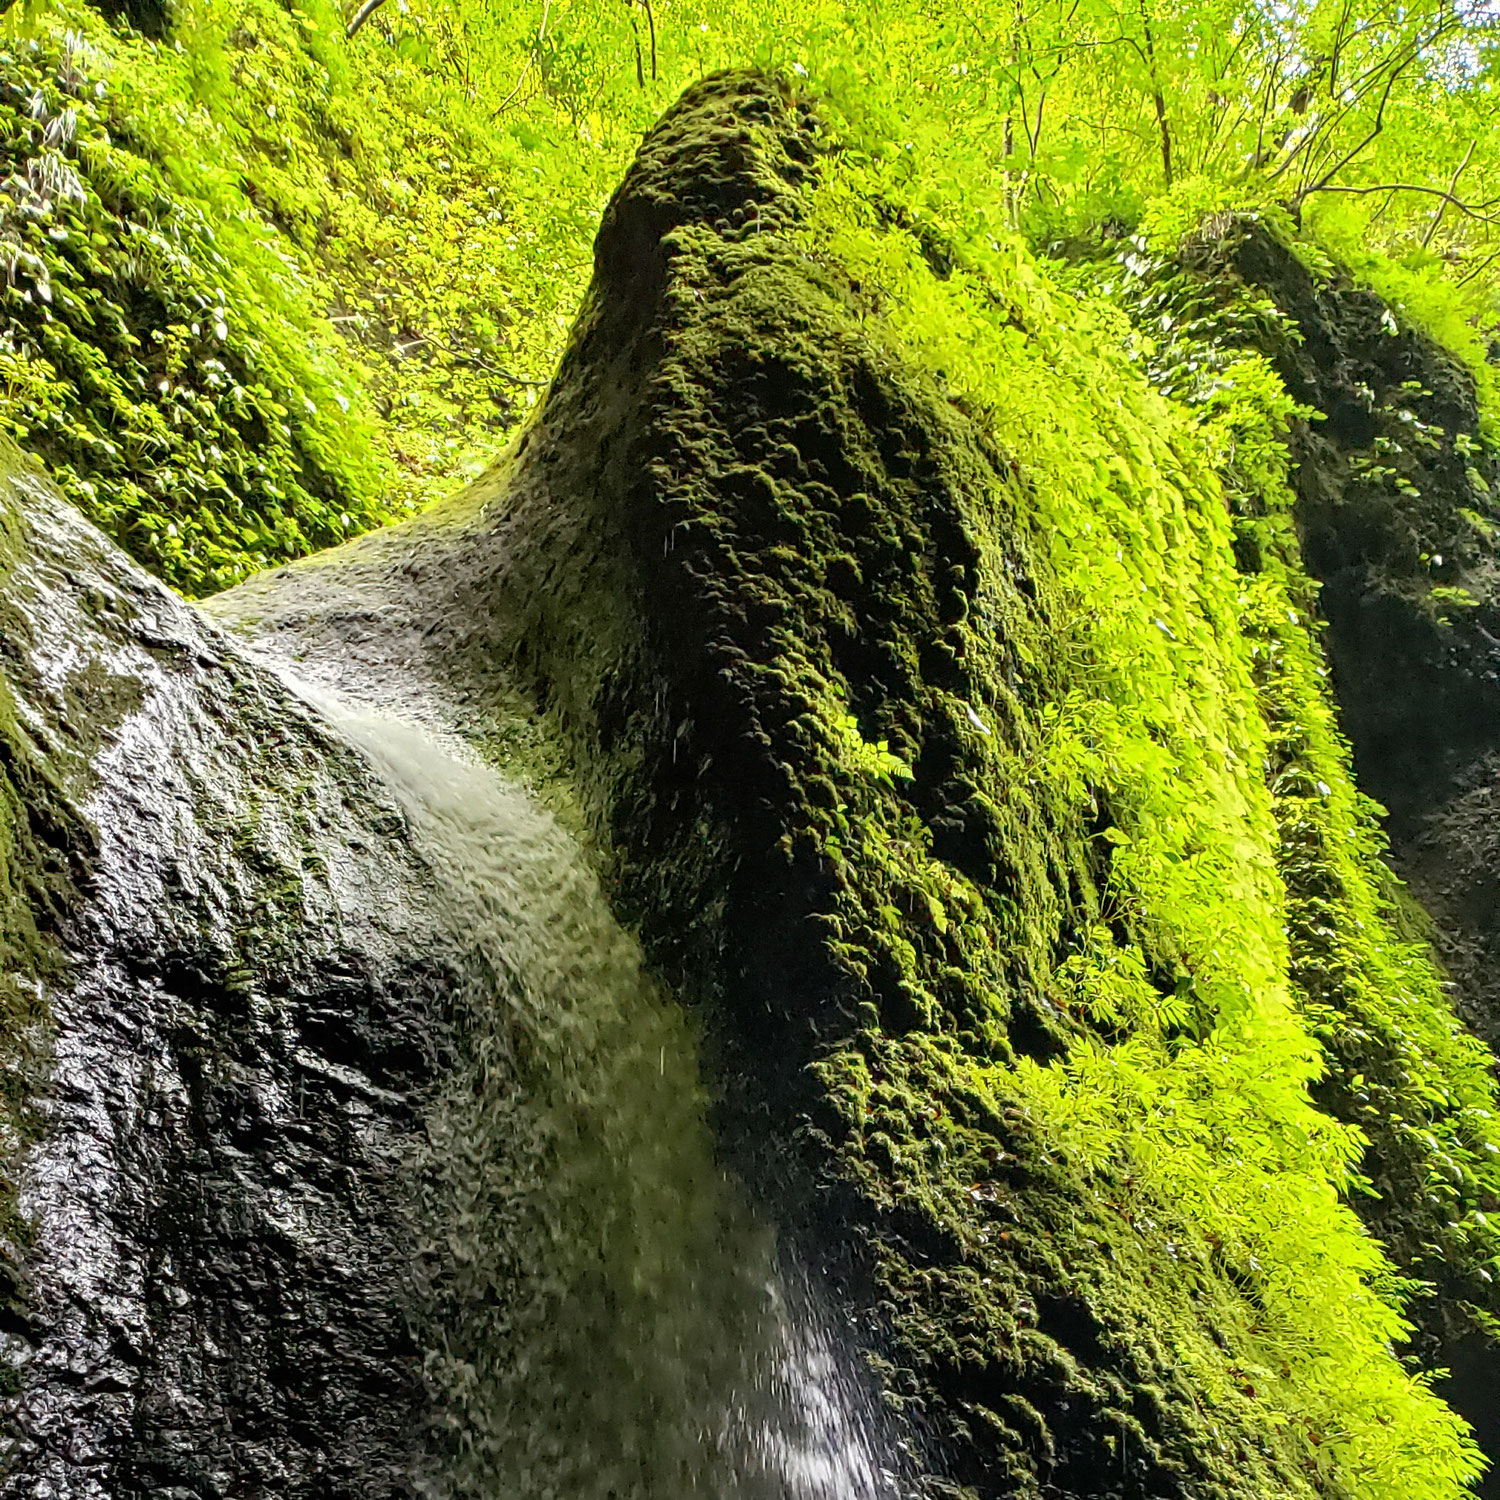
786	633
1397	510
1398	507
780	596
1396	498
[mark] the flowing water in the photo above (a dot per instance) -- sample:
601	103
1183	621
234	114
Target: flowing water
605	1319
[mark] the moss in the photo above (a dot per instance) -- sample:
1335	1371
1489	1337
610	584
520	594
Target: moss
973	1023
139	365
1375	483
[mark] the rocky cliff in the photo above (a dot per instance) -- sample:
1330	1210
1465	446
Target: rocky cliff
954	734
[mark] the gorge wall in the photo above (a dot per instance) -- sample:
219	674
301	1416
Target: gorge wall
949	719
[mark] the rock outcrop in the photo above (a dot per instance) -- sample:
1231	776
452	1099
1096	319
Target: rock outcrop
1394	489
225	994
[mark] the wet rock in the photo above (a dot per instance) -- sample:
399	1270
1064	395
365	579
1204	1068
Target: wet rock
238	1009
738	540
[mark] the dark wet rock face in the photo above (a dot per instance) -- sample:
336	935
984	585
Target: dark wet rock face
239	1041
1397	505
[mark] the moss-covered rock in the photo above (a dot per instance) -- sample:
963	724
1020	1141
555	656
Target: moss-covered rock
1398	510
798	621
899	646
1385	522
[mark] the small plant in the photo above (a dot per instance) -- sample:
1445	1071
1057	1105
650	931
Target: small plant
874	760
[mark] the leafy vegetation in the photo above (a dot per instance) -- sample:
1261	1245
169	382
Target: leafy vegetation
267	285
417	200
1404	1071
145	352
1244	917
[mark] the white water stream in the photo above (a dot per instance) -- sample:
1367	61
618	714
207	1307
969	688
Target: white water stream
606	1320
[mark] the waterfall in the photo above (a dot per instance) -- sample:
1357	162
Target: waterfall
604	1318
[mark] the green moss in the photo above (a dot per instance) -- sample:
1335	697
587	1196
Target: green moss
264	290
1028	1022
140	347
1401	1068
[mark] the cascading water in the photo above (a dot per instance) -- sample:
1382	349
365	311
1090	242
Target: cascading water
358	1110
604	1319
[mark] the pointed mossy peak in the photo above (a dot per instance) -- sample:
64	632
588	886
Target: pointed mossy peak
1015	1045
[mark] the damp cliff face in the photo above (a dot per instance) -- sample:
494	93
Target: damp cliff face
1395	511
358	1156
902	657
1389	518
230	997
1395	504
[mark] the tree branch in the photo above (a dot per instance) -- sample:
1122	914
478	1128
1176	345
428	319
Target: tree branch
1158	99
640	71
1442	208
1360	90
1472	210
1349	155
531	57
360	16
1483	266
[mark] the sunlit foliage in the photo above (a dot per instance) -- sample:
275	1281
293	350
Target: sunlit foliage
266	284
425	190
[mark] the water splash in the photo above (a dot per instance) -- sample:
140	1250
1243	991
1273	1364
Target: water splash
605	1320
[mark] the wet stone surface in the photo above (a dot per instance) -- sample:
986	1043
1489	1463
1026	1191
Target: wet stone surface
240	1049
370	1161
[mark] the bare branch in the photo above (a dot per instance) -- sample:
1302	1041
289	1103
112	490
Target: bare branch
1157	98
1442	208
531	56
360	16
1471	210
640	71
635	31
1393	69
1483	266
1374	131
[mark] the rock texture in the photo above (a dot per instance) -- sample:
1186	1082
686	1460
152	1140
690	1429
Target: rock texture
1392	492
739	547
232	1000
1394	512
